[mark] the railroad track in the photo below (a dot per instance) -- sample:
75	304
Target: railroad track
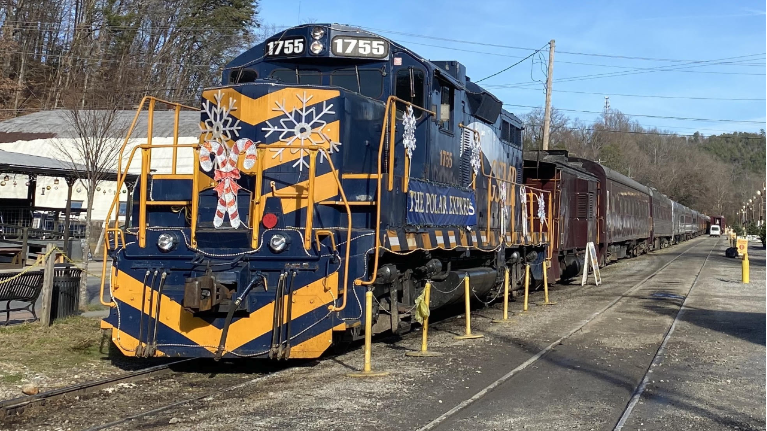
450	414
17	406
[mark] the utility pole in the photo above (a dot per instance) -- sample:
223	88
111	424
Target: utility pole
607	108
547	114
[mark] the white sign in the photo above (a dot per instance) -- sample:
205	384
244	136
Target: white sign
591	258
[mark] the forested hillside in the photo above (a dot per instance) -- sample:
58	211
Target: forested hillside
743	150
713	174
57	53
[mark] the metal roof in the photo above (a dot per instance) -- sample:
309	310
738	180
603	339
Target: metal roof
17	163
43	124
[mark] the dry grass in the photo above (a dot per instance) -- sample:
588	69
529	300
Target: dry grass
66	343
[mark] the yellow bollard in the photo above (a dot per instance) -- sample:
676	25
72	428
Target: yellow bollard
546	266
527	290
367	371
745	269
467	294
505	299
425	336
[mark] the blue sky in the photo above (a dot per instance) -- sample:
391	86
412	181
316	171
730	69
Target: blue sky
690	31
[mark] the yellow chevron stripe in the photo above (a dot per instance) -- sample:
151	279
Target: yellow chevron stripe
325	187
125	342
255	111
313	347
175	317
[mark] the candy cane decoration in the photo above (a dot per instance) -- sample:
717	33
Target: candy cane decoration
226	175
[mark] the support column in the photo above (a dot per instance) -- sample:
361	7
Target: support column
67	213
31	191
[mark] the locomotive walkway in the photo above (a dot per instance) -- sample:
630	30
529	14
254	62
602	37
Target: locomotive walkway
709	375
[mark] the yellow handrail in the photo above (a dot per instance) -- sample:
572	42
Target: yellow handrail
390	106
122	174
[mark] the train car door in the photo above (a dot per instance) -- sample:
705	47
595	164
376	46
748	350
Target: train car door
410	83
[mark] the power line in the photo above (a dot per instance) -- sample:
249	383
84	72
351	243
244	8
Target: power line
649	70
627	57
520	61
498	54
658	96
645	115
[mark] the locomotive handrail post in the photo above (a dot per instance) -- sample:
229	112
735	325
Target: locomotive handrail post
348	231
145	160
392	142
310	199
389	107
176	116
145	169
255	220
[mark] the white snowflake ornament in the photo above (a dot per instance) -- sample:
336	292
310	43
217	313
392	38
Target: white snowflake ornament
504	209
541	208
408	133
476	152
220	126
302	127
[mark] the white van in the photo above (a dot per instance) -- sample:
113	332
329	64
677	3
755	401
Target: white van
715	230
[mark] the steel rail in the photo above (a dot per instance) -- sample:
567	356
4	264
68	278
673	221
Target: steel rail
16	406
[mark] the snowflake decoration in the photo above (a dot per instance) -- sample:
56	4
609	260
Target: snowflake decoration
299	126
504	210
220	126
217	156
408	134
541	208
523	204
476	151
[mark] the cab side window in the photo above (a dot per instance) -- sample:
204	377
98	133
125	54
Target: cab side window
409	86
242	75
445	94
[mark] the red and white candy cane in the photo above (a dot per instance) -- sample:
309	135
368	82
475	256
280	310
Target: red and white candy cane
226	175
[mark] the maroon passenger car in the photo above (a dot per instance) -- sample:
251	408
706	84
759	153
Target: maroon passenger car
574	205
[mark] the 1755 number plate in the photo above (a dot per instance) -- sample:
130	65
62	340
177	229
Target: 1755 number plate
286	46
351	46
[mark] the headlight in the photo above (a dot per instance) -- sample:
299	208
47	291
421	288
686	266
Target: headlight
318	32
166	242
278	243
316	47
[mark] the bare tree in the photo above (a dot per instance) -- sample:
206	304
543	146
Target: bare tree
92	155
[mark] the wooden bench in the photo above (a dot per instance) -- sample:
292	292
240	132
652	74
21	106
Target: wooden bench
24	288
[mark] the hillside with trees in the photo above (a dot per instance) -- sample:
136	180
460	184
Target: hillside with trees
62	53
713	174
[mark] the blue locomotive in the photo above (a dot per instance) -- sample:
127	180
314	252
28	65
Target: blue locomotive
331	162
